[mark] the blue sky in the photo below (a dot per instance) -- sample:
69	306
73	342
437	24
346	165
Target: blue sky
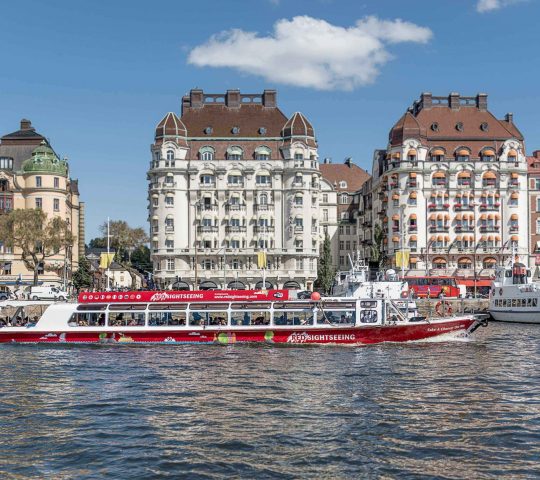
96	77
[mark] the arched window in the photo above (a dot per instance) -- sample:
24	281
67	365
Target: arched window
344	199
170	154
437	155
439	262
263	199
463	155
234	153
464	263
206	153
262	153
487	155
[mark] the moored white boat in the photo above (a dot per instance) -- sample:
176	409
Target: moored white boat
223	317
514	297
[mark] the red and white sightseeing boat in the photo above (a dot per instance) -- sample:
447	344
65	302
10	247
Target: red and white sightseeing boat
223	317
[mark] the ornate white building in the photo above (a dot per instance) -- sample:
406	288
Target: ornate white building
230	178
451	188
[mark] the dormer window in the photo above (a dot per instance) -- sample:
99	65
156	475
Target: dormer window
235	130
234	153
206	153
437	155
463	155
487	155
6	163
342	184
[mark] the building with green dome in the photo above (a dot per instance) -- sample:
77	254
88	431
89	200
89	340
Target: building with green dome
32	175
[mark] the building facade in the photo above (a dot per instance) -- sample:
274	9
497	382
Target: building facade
533	163
33	176
451	189
229	178
339	205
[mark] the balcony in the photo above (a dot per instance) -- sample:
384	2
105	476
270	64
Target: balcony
264	207
491	228
434	207
490	184
464	228
264	229
235	208
439	228
169	228
413	228
207	229
486	207
207	185
513	184
298	229
514	228
207	208
463	207
412	184
235	229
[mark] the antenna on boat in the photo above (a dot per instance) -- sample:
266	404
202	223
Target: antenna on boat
108	273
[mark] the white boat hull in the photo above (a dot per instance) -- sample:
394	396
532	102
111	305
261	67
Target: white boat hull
515	316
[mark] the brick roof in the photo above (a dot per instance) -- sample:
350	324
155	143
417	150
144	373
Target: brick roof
351	173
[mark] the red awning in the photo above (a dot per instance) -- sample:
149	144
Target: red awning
470	283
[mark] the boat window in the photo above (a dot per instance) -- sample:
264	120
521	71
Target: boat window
368	304
209	306
91	307
534	300
169	306
164	319
336	316
124	307
339	305
529	303
251	306
294	318
291	305
514	303
368	316
126	319
250	318
87	319
207	318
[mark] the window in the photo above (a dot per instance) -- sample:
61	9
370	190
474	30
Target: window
299	222
157	156
348	245
299	244
207	156
263	199
342	260
235	180
56	182
537	184
6	163
342	184
169	179
344	199
325	198
325	215
207	264
56	205
235	243
155	202
170	264
263	179
299	156
169	244
298	180
169	201
236	264
341	245
40	268
38	181
298	200
170	154
169	223
234	156
39	203
207	222
207	179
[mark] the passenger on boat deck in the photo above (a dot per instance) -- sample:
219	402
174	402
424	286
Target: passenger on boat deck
101	320
343	319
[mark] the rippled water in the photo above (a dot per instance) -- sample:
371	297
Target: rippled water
442	410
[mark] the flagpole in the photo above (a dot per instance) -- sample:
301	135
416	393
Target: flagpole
107	273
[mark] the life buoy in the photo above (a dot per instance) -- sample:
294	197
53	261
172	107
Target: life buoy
404	294
443	308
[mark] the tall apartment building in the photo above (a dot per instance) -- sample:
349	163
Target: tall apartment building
451	188
33	176
338	207
230	177
533	163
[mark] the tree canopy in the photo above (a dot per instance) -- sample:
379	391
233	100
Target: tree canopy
325	269
36	236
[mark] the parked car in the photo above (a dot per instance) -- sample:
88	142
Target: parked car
47	293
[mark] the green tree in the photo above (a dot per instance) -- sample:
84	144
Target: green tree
140	259
36	236
125	240
83	277
325	269
98	242
377	249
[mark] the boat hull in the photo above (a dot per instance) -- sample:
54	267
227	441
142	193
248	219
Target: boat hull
401	332
515	316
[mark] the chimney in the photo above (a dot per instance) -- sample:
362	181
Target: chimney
269	98
453	101
196	98
232	98
481	102
348	162
186	103
509	117
26	124
327	160
427	100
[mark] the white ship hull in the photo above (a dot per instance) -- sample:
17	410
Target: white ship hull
515	316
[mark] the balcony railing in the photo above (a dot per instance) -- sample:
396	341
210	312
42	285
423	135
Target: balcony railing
461	207
207	228
439	228
464	228
485	207
514	228
207	208
438	207
263	229
235	229
491	228
264	207
235	208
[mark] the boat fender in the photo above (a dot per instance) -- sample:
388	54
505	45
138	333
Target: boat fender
443	309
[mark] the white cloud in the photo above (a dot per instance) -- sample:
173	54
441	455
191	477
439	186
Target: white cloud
483	6
310	52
